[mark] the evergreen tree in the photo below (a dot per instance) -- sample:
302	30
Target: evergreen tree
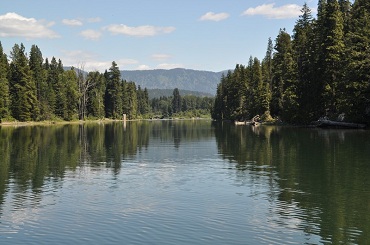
52	82
22	87
303	54
345	8
143	101
283	73
130	104
38	75
176	101
218	110
4	85
357	88
95	107
113	93
261	91
239	100
267	63
72	94
333	55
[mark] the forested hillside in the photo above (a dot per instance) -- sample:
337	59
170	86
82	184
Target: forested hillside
34	89
183	79
323	69
157	93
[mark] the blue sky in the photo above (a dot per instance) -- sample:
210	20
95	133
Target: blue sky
212	35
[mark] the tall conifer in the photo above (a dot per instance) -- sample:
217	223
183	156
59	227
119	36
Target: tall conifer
23	90
4	85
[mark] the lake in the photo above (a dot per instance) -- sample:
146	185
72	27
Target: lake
183	182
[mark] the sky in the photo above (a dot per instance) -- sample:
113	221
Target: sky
211	35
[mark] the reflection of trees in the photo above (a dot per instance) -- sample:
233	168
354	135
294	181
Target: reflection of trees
31	156
4	162
323	172
180	131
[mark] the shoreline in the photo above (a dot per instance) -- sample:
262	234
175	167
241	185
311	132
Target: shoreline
105	120
50	123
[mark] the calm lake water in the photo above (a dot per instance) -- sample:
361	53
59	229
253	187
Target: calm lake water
183	182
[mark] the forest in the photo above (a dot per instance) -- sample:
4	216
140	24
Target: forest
34	89
321	70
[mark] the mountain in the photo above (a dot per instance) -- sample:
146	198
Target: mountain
156	93
183	79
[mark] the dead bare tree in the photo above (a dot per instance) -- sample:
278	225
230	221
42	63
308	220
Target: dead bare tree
84	85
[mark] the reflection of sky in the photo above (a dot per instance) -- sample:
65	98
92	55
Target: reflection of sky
178	195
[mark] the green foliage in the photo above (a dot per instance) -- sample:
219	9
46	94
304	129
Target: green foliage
356	101
36	89
4	85
39	76
95	106
22	87
321	70
143	101
130	102
113	93
71	95
176	101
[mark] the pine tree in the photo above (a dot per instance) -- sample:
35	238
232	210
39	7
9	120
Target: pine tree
334	45
38	75
130	99
303	54
284	74
95	107
72	94
267	62
357	88
176	101
143	101
52	81
113	93
345	8
4	85
218	110
22	87
262	94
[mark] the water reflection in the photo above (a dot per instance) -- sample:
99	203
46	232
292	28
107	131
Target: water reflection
31	156
318	179
272	183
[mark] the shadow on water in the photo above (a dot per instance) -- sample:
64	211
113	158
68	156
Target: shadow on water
322	174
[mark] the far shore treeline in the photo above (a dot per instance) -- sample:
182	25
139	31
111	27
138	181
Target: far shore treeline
34	89
322	70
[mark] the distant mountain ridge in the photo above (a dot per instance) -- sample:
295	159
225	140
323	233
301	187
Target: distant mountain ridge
156	93
183	79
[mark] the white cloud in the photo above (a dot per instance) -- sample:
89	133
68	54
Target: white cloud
160	57
72	22
269	10
91	61
214	17
14	25
143	67
91	34
139	31
167	66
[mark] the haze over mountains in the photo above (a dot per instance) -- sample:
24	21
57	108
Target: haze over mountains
183	79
